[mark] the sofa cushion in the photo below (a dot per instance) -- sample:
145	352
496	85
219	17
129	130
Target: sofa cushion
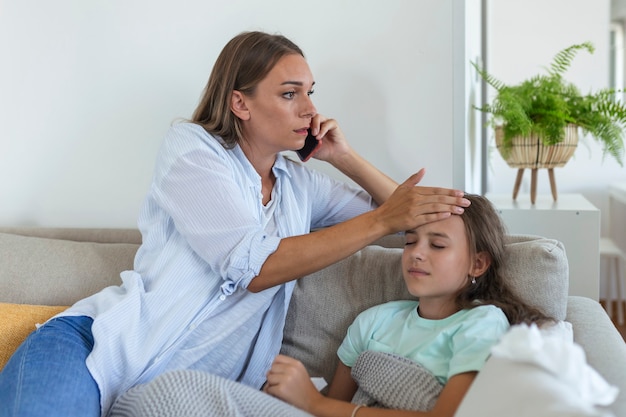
325	303
17	321
35	270
537	270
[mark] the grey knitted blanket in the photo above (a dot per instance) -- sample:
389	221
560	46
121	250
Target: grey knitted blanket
199	394
391	381
385	381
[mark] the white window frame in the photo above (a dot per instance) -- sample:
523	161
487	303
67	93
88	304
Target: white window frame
616	75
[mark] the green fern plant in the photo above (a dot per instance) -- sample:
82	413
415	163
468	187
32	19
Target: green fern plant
545	104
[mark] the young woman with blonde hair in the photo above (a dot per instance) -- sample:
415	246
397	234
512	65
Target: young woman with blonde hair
225	229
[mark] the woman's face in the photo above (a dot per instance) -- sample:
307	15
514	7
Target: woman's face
280	110
436	262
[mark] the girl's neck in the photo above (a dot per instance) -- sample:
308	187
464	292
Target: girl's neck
436	309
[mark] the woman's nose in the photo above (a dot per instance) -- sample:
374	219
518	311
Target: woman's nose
309	110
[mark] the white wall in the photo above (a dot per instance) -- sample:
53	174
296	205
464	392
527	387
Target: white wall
88	88
524	36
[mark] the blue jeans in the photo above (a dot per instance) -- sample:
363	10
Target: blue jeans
47	375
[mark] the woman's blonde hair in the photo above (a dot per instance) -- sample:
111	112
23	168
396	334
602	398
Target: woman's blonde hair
243	63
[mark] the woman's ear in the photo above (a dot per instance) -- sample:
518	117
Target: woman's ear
482	261
238	105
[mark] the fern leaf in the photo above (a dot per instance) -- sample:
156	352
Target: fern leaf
563	59
489	79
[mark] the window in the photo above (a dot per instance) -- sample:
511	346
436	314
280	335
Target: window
616	67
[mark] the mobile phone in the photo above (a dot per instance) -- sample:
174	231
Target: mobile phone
311	144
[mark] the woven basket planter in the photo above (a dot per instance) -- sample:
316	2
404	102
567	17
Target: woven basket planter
530	152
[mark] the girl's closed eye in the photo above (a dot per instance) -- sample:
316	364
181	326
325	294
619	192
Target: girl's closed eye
410	238
437	245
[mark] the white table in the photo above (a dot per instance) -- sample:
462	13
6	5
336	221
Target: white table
572	219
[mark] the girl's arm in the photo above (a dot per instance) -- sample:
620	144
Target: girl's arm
342	387
289	381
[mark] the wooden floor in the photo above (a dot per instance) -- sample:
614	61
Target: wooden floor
620	328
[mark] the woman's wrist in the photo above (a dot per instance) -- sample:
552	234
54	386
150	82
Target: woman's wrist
348	162
366	175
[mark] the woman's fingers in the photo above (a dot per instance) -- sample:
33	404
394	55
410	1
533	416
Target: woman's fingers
411	206
414	179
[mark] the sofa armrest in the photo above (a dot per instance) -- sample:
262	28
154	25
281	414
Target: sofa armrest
603	344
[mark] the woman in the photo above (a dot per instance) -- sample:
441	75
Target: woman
225	232
464	308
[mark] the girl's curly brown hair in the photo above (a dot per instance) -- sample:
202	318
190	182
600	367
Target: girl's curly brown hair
486	233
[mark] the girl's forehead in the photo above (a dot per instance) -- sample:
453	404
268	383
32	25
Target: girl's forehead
452	225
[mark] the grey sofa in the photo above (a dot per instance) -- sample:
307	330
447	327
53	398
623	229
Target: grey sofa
56	267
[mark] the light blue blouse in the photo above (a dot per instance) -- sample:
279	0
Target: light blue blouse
459	343
185	304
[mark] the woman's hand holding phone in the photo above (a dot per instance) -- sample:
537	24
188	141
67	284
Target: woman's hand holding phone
311	145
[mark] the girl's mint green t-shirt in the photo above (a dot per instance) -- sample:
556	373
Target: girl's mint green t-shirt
459	343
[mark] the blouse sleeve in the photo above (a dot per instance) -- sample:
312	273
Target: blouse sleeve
211	204
212	198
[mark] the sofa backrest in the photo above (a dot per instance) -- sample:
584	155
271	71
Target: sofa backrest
55	270
326	302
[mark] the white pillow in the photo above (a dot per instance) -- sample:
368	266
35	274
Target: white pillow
516	389
534	373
